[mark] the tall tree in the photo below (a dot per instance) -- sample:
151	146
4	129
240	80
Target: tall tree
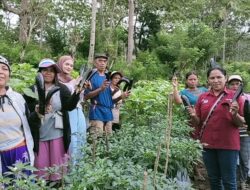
92	33
72	18
23	13
131	7
31	14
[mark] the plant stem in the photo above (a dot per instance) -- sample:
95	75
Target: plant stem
168	129
106	141
145	181
156	165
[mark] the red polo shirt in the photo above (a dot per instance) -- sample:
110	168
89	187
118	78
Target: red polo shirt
220	131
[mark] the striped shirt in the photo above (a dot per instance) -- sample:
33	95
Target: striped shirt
11	131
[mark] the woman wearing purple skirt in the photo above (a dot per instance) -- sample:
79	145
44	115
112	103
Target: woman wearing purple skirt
16	143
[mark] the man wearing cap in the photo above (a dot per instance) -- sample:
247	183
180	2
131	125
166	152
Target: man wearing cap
234	82
100	114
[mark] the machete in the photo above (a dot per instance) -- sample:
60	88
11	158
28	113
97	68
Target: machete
185	101
128	83
238	93
41	92
247	114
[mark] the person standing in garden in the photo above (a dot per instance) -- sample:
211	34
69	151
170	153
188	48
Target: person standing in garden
100	95
234	81
76	116
217	115
115	77
192	92
51	129
100	115
16	142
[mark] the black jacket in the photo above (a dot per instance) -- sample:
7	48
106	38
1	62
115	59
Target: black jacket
68	102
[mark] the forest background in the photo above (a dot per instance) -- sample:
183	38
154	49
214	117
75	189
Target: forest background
162	34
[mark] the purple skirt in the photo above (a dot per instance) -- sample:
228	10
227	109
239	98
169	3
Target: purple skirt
10	157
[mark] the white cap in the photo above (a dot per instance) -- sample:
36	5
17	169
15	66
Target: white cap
235	77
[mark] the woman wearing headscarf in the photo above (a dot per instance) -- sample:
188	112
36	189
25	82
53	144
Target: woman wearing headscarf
16	143
51	129
76	116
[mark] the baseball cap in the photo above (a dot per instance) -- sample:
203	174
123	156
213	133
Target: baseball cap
100	55
4	61
45	63
235	77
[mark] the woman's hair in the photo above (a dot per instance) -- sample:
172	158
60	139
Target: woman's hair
223	71
188	75
56	80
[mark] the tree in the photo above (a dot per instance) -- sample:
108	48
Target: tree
92	33
72	18
130	31
31	14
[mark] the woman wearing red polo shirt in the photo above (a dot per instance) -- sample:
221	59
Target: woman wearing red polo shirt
219	120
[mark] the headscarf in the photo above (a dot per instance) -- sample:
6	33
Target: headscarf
63	77
4	61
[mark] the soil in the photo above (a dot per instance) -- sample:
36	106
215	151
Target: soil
204	184
201	184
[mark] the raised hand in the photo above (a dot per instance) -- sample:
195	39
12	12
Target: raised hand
175	82
105	84
234	108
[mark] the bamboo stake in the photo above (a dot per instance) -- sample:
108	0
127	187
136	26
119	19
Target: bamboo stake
156	165
145	181
106	140
168	129
94	138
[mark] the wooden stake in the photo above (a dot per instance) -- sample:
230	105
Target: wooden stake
145	181
168	129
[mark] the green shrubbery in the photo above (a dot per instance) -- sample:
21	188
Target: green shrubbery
132	151
22	76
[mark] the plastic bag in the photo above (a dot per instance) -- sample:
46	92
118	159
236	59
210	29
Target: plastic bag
183	180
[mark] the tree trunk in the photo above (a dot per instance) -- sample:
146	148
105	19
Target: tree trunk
92	33
112	22
130	32
224	39
102	5
24	22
